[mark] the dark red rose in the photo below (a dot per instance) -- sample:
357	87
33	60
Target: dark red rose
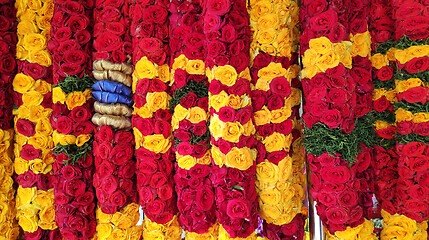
27	180
218	7
118	198
385	73
204	198
259	99
280	86
421	129
121	153
124	136
155	14
74	187
338	174
381	104
200	128
414	95
25	127
104	134
190	100
404	127
28	152
156	207
165	192
413	149
81	128
109	184
332	118
416	65
105	168
337	215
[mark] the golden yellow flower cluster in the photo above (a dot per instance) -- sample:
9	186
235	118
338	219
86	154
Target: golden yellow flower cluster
404	115
404	56
191	66
361	232
9	227
379	60
212	234
323	55
121	225
361	44
168	231
401	227
35	209
274	25
389	94
33	30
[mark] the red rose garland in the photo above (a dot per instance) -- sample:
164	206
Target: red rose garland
384	163
114	179
152	119
33	131
331	135
191	136
233	151
276	99
74	166
8	39
412	116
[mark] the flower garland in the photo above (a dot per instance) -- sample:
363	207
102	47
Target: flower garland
32	100
412	115
227	37
385	161
191	135
361	73
276	99
151	119
8	223
332	134
114	179
71	118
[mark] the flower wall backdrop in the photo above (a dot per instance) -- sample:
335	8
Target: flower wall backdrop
210	117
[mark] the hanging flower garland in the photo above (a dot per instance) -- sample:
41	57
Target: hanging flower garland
114	179
8	223
412	115
276	99
151	119
361	72
33	102
233	150
191	136
385	161
71	118
331	137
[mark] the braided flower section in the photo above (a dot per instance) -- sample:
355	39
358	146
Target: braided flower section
275	100
114	178
73	129
33	130
151	119
233	151
191	135
412	115
332	136
8	224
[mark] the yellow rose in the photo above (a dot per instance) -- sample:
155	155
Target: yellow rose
186	162
249	129
102	217
403	115
47	218
157	100
75	99
174	233
40	142
206	159
269	20
145	69
260	8
143	112
381	124
153	235
157	143
124	222
266	36
58	95
321	45
82	139
25	195
295	97
32	98
137	135
36	112
164	73
104	230
22	83
21	165
196	115
44	22
280	115
262	84
285	168
37	166
26	27
310	58
379	60
59	138
245	74
180	62
262	116
196	66
403	86
226	75
378	93
218	157
328	60
271	211
235	101
34	41
180	112
240	158
41	57
275	142
232	131
271	71
421	117
391	96
218	101
310	71
270	196
28	223
267	172
43	127
117	234
42	87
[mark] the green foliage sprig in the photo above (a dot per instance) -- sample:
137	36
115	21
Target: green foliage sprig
402	75
385	143
417	107
199	88
405	42
383	47
384	84
75	84
386	116
74	152
412	137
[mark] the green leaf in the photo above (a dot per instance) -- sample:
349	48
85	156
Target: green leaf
75	84
237	187
74	152
405	42
386	116
417	107
390	84
404	139
383	47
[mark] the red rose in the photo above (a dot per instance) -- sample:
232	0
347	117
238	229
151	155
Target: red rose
81	128
316	7
419	163
190	100
416	65
388	133
109	184
25	127
155	207
332	118
27	180
105	168
70	69
28	152
241	87
34	235
238	209
184	148
75	187
240	62
75	57
337	96
338	174
77	222
265	130
165	192
155	14
323	21
280	86
104	134
404	127
118	198
205	198
348	198
413	149
243	115
7	63
381	104
228	33
326	198
145	125
337	215
259	99
146	195
414	95
107	42
158	179
82	37
121	153
199	129
421	129
218	7
127	170
85	199
385	73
